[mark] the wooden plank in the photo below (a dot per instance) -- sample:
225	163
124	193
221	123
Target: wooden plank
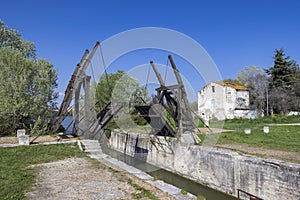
184	108
74	82
68	94
161	82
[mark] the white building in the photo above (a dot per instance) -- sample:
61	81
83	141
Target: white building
224	100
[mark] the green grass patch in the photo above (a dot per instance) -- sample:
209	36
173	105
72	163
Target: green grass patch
144	193
16	177
112	170
183	192
280	137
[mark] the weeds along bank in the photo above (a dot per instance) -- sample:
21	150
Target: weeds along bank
220	169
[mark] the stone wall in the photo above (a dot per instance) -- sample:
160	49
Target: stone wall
218	168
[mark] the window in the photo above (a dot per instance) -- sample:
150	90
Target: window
228	96
213	88
241	102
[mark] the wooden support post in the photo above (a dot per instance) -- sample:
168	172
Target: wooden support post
161	82
182	100
86	64
179	97
73	85
68	94
87	107
76	113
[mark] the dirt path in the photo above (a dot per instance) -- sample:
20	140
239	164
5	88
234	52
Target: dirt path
264	152
80	178
41	139
292	124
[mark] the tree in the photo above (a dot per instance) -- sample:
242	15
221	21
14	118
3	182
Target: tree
248	74
27	85
295	102
10	38
105	87
255	79
120	88
284	78
232	81
282	74
258	86
194	106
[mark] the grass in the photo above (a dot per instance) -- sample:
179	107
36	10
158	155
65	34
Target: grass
285	138
280	137
143	193
183	192
16	177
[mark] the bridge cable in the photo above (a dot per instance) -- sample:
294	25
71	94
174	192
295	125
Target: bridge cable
105	71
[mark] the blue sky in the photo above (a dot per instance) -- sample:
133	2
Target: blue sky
234	33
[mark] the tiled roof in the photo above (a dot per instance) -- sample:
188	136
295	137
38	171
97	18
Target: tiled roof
232	85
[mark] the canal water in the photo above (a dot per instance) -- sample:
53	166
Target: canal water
169	177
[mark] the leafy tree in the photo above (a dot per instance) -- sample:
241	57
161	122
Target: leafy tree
255	79
10	38
194	106
119	88
284	78
104	89
248	74
233	81
27	85
258	86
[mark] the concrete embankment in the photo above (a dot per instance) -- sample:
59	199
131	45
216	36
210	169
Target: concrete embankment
93	148
220	169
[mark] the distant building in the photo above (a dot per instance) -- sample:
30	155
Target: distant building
224	100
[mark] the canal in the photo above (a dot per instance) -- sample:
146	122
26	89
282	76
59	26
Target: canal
185	184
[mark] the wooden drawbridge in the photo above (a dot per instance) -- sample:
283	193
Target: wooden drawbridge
168	113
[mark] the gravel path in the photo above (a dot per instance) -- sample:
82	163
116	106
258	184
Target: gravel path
78	178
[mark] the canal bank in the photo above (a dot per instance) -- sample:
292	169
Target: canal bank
219	169
184	184
92	147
